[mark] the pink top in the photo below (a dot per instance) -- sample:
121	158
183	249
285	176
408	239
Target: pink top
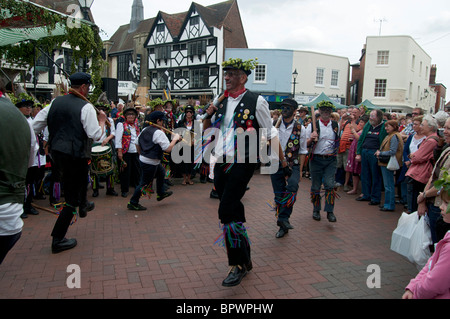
433	281
421	161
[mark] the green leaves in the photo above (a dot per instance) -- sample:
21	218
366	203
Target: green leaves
240	64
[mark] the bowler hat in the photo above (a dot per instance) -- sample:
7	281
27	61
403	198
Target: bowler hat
290	102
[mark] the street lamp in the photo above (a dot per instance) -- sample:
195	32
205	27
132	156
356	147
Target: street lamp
294	76
85	6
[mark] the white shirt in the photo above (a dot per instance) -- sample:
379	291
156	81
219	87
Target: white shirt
285	134
119	135
88	119
227	124
111	128
158	138
327	140
10	221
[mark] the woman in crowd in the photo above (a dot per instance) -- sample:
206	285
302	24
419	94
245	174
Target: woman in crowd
433	281
187	123
411	146
353	166
392	145
422	160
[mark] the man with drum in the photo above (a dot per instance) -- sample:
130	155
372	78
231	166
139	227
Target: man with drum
72	120
102	158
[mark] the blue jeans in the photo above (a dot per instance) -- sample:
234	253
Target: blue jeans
323	170
370	176
285	191
149	173
389	188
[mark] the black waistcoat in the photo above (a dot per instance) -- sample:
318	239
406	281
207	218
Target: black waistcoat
66	132
148	148
246	127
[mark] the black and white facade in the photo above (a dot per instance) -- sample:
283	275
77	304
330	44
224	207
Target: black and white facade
188	63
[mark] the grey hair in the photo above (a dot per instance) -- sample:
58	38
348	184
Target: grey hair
432	123
441	117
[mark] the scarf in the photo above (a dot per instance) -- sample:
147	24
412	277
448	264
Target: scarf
234	95
126	137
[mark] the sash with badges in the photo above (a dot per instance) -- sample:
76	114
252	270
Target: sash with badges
293	145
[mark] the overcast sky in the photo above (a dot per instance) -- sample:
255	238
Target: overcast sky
337	27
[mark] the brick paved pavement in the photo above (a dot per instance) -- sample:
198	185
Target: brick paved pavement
168	252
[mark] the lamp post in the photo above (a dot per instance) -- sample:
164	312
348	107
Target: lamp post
85	6
294	76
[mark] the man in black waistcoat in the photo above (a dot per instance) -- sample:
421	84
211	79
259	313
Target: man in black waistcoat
151	144
72	121
241	113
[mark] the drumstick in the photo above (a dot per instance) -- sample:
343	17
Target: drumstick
77	94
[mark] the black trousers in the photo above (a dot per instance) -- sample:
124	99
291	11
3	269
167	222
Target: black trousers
131	175
74	177
7	243
231	184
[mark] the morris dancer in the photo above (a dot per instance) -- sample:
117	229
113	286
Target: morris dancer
241	111
324	160
285	181
151	144
72	121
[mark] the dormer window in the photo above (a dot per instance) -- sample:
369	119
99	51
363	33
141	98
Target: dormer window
160	28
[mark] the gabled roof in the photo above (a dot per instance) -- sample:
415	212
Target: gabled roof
123	41
213	16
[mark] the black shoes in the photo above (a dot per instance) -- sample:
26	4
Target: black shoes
235	276
124	194
362	199
374	203
284	228
330	216
59	245
161	197
111	192
137	207
213	194
316	216
84	209
386	209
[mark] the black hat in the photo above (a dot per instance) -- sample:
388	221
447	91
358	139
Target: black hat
189	108
80	78
154	116
290	102
131	109
24	103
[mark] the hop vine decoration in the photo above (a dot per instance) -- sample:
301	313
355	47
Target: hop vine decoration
246	66
21	98
328	104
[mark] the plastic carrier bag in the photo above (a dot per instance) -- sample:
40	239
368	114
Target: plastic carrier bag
412	238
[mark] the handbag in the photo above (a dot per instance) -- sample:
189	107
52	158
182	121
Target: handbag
384	159
393	164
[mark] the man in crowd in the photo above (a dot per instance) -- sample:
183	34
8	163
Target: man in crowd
369	142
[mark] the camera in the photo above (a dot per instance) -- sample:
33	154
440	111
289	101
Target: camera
441	132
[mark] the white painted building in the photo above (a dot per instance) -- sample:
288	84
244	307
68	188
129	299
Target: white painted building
320	73
397	74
